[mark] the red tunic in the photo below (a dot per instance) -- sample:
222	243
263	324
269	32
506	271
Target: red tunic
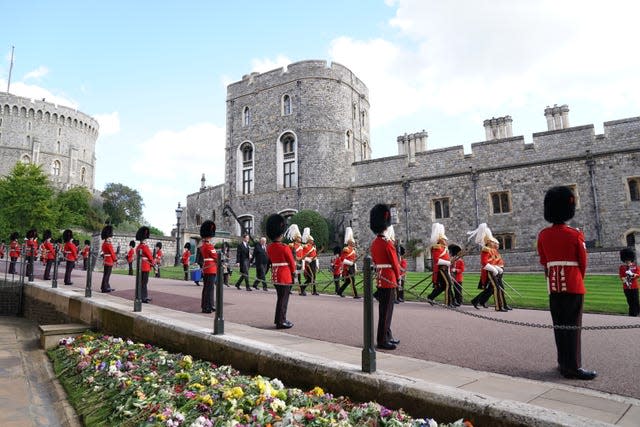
146	257
186	255
623	275
383	255
349	257
458	270
438	252
85	251
489	256
70	251
336	264
31	248
403	268
14	249
49	253
130	255
283	266
564	255
109	254
159	255
210	258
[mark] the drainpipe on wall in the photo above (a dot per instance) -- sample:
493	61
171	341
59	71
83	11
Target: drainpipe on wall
592	175
474	178
405	187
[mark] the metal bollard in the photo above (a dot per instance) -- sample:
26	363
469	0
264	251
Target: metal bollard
87	290
218	322
22	265
54	280
368	352
137	302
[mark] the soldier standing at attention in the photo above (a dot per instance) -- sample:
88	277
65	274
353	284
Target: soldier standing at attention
186	256
210	266
563	254
629	273
441	262
385	259
146	261
293	234
109	258
48	253
70	255
2	249
86	249
349	257
283	267
14	251
158	258
31	252
131	256
336	267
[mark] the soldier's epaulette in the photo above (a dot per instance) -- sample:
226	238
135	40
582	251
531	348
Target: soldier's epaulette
486	249
437	246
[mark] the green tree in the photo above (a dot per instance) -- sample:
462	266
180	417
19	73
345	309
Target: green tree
72	207
317	224
26	199
122	203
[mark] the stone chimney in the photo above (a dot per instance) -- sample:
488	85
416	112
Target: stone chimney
498	128
410	144
557	117
203	183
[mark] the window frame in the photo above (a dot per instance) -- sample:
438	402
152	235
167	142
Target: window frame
246	116
286	105
502	238
633	196
502	196
441	201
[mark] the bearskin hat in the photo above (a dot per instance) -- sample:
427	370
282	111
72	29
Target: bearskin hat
627	254
14	236
208	229
187	246
337	250
142	233
559	205
402	251
76	242
87	242
32	234
46	234
454	249
107	231
132	243
379	218
159	245
67	235
275	226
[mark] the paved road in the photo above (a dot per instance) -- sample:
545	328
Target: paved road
428	333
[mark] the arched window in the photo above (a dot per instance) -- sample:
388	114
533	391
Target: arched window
287	214
348	137
246	116
246	225
286	105
55	168
58	146
354	111
631	240
198	220
246	149
83	175
25	159
289	160
634	188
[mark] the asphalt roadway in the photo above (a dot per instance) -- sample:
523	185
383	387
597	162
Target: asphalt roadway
426	332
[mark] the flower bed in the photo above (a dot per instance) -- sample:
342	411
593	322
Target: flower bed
112	381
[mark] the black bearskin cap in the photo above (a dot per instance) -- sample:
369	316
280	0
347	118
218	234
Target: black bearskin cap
559	205
67	235
208	229
46	234
402	251
14	236
627	254
275	226
454	249
132	243
107	231
76	242
142	233
379	218
337	250
187	246
87	242
159	245
32	234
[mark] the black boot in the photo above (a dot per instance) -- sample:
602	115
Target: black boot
341	290
315	292
302	290
401	296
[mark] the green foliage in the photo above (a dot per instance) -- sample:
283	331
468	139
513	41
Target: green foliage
155	231
414	248
122	203
318	225
72	206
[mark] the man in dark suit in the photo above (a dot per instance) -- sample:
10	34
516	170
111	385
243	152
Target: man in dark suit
242	261
261	261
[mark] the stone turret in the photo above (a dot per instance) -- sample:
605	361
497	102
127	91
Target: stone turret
203	183
410	144
498	128
557	117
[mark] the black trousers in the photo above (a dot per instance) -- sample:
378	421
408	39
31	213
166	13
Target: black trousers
282	302
566	309
244	274
47	270
493	287
130	269
185	268
443	284
12	265
144	281
67	272
457	292
30	260
261	273
208	298
310	273
85	263
632	300
386	297
105	278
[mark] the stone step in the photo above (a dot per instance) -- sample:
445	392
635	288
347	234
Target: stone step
50	335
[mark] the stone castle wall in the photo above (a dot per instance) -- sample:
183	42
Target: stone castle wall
49	135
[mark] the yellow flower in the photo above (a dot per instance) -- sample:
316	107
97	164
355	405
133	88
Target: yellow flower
317	391
198	386
234	392
213	381
206	399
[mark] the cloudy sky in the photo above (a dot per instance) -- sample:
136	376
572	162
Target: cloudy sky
154	73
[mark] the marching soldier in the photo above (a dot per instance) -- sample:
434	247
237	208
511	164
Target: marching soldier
31	252
146	261
131	256
309	260
629	273
563	254
384	257
186	256
109	258
349	257
210	266
293	234
70	255
283	267
492	269
441	262
48	253
158	258
336	267
457	273
14	251
86	251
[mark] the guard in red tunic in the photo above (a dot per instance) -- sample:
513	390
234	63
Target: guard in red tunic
309	259
48	253
209	267
14	251
86	251
563	254
146	261
283	267
131	256
186	256
70	255
31	252
158	254
403	275
629	273
336	267
441	277
293	234
3	248
109	258
492	269
385	259
349	257
457	273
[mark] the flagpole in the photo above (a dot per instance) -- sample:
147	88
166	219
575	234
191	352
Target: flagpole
10	68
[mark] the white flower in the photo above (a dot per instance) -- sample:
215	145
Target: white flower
278	405
277	384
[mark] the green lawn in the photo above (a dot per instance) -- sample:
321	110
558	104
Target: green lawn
604	292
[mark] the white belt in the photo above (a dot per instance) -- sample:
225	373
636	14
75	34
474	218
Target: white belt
279	264
384	266
107	254
144	258
347	262
209	259
562	264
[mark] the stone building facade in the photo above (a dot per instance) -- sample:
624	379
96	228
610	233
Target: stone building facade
60	139
319	112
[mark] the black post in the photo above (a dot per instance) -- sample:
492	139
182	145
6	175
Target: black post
177	260
218	323
87	290
54	281
30	265
23	257
137	302
368	352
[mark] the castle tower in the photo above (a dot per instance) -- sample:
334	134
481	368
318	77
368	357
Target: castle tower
292	135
